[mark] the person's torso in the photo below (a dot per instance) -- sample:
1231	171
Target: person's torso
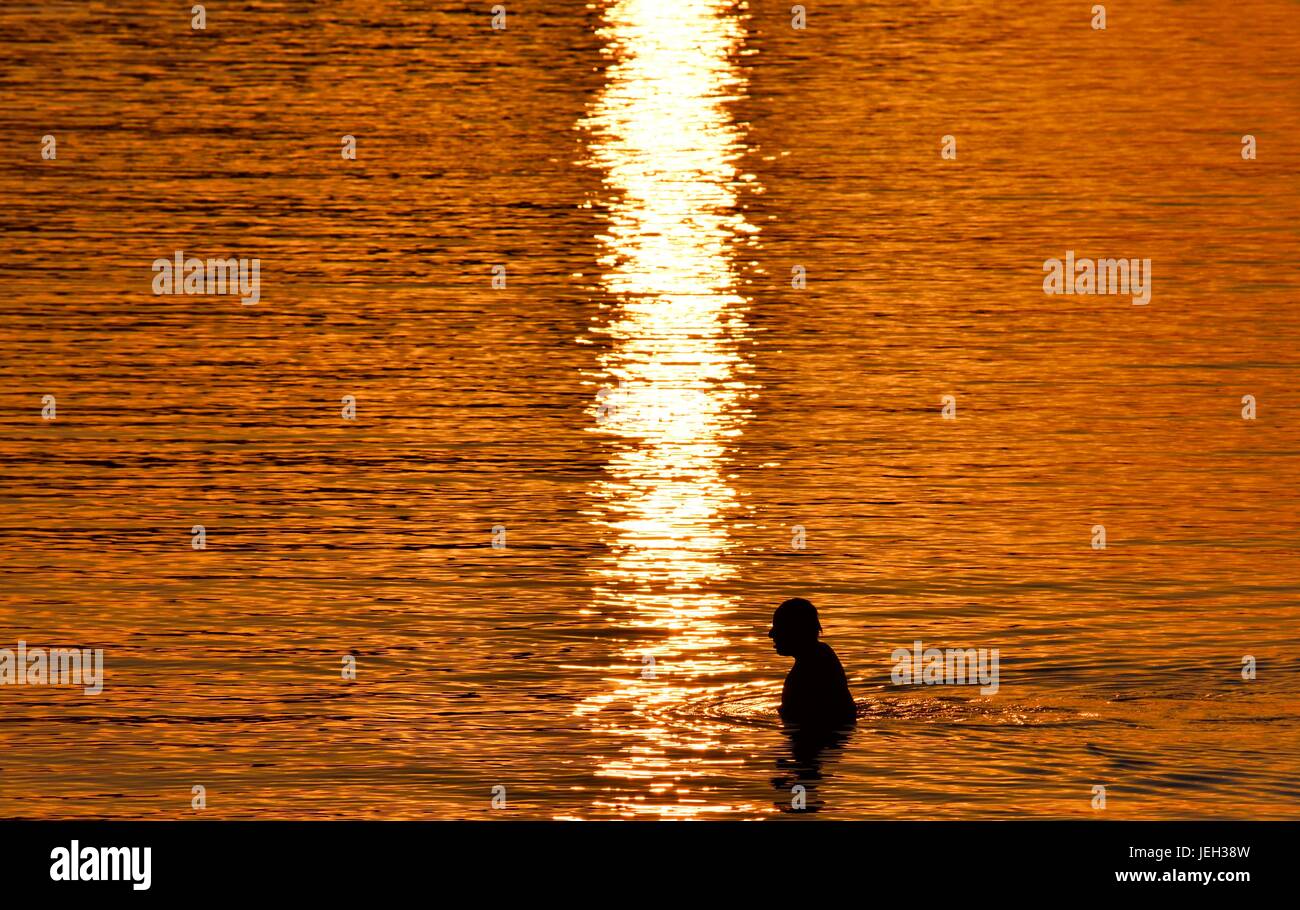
816	688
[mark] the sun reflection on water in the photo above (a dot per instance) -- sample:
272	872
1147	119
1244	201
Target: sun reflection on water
671	396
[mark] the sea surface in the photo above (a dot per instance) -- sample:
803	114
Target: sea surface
649	310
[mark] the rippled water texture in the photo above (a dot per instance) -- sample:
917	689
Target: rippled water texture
648	412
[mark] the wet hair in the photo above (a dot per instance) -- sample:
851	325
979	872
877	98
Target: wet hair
798	616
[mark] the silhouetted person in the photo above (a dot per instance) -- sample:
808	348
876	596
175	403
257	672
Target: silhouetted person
816	694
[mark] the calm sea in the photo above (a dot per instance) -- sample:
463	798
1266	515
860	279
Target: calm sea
601	431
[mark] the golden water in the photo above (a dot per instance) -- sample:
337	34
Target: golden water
649	407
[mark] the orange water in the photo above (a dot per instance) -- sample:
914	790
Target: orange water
649	408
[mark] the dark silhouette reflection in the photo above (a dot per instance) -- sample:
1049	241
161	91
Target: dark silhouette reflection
816	704
801	771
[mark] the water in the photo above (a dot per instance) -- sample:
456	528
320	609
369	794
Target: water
649	408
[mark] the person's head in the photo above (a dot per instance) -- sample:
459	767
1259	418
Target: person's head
795	627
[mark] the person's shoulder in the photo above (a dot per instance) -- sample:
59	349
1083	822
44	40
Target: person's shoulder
826	653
